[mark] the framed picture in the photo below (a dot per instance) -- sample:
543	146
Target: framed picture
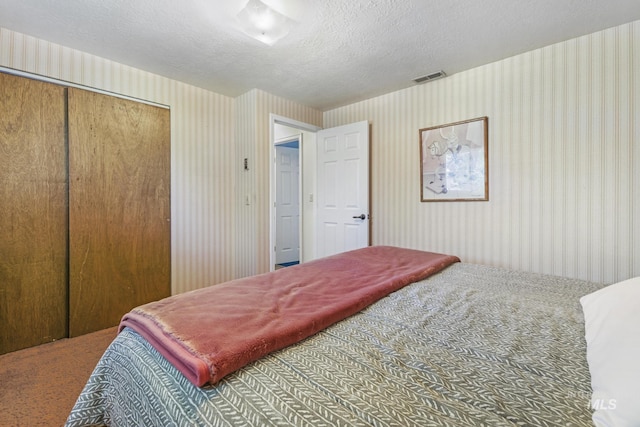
454	162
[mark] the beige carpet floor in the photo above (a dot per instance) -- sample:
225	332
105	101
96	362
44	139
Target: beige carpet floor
40	385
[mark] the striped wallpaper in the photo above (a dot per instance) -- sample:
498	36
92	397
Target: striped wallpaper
253	110
564	159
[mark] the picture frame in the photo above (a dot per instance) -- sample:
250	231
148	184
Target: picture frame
454	163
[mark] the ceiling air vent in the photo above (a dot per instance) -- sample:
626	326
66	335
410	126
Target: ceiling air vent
429	77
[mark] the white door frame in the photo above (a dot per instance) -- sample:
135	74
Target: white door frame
285	121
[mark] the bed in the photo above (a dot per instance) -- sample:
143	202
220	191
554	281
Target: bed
469	345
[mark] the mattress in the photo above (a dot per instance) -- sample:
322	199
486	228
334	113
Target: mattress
471	345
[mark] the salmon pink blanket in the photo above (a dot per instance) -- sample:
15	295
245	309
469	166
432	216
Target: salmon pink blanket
211	332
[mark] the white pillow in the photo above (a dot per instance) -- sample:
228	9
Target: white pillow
612	331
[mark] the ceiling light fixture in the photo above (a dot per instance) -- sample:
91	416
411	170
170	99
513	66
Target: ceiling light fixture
259	21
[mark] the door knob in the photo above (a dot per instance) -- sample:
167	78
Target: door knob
363	216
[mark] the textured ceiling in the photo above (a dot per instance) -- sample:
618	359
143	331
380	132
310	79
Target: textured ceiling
339	51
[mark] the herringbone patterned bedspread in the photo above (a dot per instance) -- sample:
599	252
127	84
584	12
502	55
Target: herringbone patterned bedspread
470	346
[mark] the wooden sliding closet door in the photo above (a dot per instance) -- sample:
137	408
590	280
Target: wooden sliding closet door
119	208
33	213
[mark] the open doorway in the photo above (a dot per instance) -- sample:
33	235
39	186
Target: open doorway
288	222
287	203
333	187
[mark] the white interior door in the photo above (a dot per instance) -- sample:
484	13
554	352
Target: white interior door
343	189
287	205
